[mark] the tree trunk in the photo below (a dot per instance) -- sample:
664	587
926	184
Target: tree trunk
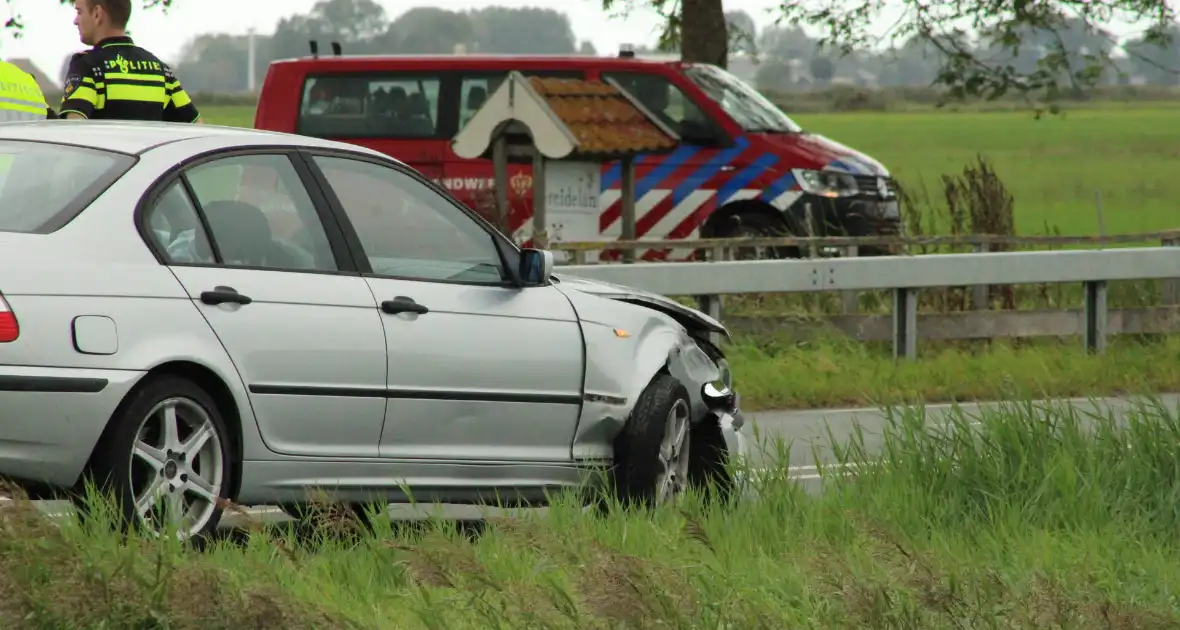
704	36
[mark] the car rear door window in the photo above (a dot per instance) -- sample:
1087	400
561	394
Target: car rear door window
176	229
407	229
258	213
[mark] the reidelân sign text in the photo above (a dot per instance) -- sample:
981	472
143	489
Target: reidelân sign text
572	187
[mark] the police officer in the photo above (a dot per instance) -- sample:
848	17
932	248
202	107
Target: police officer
116	79
20	96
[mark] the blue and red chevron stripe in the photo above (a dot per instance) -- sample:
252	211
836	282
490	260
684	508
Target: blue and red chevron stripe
676	192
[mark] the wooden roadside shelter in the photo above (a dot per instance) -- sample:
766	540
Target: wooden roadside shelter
567	128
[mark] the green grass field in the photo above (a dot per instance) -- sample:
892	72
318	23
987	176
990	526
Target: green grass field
1007	521
1055	167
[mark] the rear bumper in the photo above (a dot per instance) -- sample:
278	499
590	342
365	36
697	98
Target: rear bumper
51	419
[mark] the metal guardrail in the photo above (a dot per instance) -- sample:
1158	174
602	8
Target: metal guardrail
904	276
577	252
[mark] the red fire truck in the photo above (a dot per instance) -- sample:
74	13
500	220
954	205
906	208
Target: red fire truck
744	168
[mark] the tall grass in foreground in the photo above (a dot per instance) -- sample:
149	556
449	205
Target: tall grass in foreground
1020	518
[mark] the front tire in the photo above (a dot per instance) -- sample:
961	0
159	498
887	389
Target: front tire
758	225
167	459
708	457
652	452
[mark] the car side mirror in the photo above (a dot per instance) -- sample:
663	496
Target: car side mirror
536	265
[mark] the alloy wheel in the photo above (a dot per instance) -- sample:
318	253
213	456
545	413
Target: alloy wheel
177	467
674	454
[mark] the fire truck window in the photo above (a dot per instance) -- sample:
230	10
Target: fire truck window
664	99
473	93
475	90
371	106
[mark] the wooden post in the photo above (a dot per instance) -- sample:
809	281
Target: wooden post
809	216
627	200
500	175
540	216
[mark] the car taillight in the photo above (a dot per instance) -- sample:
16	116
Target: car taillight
9	329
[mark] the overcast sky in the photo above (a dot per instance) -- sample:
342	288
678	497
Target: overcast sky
50	35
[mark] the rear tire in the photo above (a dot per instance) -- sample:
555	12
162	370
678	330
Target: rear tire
652	452
167	442
314	514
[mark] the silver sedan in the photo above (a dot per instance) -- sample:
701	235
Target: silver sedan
193	313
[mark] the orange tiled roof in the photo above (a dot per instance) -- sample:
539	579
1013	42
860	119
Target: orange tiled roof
601	118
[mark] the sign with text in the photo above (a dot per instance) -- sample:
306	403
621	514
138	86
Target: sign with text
572	190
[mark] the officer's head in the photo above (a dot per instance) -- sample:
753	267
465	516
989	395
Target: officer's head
99	19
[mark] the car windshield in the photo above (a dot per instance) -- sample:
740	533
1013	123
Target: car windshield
752	111
43	186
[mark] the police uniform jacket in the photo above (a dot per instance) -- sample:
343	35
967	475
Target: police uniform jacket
20	96
121	81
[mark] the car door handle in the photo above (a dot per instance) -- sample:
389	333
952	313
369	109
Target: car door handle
224	295
402	304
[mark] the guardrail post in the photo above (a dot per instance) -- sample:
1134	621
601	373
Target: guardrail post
979	292
1094	312
905	324
1170	288
713	305
851	298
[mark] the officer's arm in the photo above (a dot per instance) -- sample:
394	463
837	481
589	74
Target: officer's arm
80	98
180	107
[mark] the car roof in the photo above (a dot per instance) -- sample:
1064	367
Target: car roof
138	137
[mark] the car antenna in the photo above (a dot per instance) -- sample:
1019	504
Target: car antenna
336	50
315	49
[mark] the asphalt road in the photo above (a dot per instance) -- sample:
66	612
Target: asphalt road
798	429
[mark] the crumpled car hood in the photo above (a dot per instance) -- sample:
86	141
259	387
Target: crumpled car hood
688	317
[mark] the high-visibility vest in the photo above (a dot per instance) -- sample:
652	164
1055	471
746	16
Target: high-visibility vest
20	96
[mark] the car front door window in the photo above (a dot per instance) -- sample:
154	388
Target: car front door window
408	230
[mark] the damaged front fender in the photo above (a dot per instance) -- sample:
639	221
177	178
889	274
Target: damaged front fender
626	346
